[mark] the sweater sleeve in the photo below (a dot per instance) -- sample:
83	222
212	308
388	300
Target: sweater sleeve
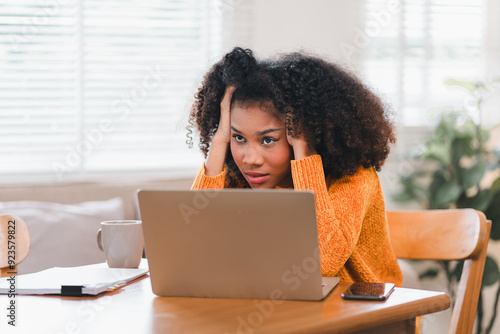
203	181
340	210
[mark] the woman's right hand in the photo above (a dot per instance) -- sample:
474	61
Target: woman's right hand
223	132
220	141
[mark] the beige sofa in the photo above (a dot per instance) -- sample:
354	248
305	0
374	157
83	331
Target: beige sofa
81	192
63	219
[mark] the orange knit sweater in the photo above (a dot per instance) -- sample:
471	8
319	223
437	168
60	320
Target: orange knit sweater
352	225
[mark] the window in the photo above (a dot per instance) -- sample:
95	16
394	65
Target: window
413	46
100	86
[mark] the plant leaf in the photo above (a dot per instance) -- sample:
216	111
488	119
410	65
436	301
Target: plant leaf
445	127
484	135
411	190
429	273
448	192
470	177
461	147
495	186
403	196
437	151
437	181
481	200
457	271
470	86
484	197
467	130
491	273
493	213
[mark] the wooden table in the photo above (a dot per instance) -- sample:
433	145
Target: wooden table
135	309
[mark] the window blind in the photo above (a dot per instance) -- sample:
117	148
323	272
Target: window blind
411	47
91	86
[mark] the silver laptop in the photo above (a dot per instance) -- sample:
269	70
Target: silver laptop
233	243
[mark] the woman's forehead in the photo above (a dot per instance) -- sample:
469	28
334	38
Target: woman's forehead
265	106
254	117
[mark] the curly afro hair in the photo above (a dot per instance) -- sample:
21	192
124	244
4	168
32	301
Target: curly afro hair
347	124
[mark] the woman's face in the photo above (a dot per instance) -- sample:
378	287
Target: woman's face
259	146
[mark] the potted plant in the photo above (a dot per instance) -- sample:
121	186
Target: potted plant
460	171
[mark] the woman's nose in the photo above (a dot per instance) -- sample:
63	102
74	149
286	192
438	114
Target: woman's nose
253	157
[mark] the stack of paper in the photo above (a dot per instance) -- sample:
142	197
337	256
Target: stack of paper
73	281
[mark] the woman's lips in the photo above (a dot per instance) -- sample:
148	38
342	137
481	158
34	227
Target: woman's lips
256	177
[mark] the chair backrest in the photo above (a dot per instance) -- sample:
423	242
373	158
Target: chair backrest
15	244
456	234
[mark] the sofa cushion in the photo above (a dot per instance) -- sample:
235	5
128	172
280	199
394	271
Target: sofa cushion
63	235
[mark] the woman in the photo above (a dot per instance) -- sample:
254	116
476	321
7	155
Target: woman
303	123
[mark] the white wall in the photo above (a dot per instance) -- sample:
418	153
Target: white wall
491	113
317	26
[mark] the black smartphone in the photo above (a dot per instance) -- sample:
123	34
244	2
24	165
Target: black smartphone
368	291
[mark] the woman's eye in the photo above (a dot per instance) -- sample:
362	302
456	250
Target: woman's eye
238	138
268	140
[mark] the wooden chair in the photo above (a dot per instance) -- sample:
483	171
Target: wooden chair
15	243
458	234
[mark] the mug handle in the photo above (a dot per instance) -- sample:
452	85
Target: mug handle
99	242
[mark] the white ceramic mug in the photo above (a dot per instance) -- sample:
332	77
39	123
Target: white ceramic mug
122	242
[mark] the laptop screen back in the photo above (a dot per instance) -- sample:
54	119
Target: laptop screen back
232	243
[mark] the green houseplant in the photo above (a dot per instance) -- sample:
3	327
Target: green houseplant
459	171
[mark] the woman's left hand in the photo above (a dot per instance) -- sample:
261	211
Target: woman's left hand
301	148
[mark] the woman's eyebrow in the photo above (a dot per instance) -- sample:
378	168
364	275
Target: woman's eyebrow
260	133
